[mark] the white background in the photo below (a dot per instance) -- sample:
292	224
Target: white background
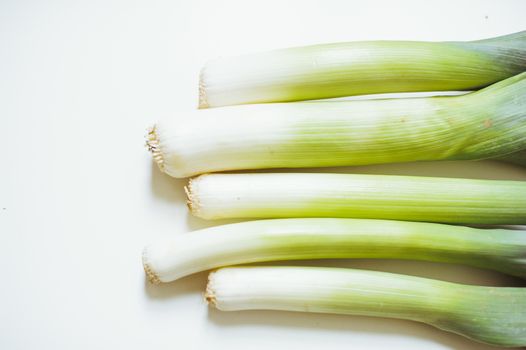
80	81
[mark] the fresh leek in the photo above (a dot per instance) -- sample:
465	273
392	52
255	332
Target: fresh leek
318	238
413	198
493	315
484	124
355	68
518	158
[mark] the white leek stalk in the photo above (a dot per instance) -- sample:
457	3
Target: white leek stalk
315	238
413	198
484	124
493	315
355	68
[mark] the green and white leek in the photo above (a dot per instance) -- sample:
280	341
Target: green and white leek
356	68
485	124
318	238
413	198
493	315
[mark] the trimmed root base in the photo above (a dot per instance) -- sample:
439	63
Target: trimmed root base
152	276
154	146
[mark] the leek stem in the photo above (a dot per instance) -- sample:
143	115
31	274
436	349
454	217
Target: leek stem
413	198
317	238
485	124
356	68
493	315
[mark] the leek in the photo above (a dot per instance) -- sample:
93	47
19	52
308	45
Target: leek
318	238
413	198
485	124
356	68
518	158
493	315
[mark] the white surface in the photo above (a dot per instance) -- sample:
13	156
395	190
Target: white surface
79	83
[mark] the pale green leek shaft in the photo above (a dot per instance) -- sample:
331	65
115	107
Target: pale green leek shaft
322	238
485	124
356	68
412	198
493	315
